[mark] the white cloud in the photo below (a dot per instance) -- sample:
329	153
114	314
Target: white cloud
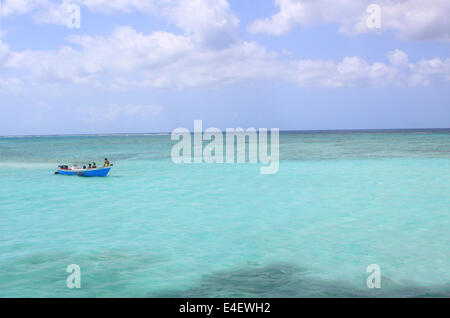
213	23
409	19
114	111
354	71
16	7
426	70
210	22
127	59
398	57
350	72
52	12
4	52
44	11
63	64
130	58
308	12
10	86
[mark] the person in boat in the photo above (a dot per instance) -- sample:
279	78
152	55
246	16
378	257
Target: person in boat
90	166
94	166
84	167
106	163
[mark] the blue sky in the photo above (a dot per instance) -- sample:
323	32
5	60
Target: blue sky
154	65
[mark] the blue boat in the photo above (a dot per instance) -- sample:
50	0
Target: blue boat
77	171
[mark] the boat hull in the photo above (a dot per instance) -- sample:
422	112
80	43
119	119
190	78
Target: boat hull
101	172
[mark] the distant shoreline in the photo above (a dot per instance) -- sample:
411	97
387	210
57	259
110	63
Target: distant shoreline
394	130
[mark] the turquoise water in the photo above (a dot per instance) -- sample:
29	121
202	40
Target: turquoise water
340	201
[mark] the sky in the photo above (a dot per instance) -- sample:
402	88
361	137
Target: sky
136	66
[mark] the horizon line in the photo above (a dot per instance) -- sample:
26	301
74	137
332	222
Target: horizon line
223	131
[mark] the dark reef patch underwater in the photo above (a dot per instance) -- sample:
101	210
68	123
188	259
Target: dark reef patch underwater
290	281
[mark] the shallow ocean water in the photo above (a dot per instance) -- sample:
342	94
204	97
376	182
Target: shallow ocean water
340	201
